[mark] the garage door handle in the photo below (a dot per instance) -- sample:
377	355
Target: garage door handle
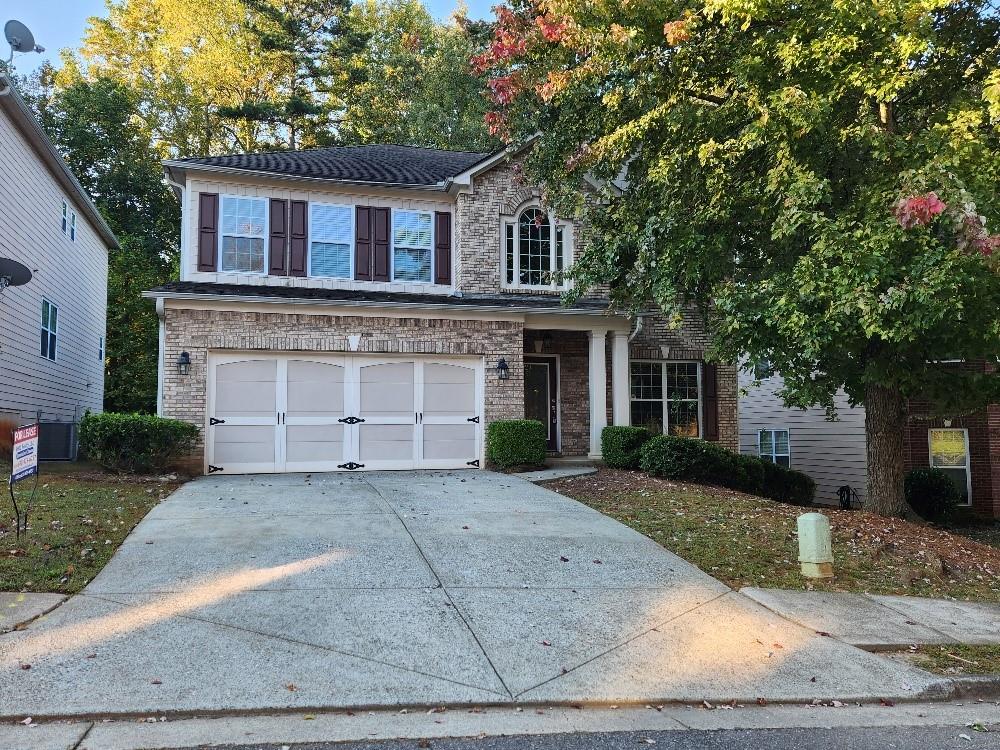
351	420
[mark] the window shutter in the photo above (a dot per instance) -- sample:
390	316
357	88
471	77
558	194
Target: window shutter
278	246
298	232
710	400
442	247
363	244
208	231
380	253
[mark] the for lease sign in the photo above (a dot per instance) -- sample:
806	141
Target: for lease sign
25	453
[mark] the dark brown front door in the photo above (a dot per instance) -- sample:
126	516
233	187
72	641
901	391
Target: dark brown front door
541	395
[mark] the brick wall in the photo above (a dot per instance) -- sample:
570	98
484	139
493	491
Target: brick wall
199	331
573	348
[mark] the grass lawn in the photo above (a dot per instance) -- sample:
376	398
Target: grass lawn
955	659
79	518
745	540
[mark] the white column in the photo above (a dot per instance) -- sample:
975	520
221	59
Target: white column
598	390
620	399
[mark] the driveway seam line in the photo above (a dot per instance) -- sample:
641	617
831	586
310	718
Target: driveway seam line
627	641
905	616
307	644
86	732
443	588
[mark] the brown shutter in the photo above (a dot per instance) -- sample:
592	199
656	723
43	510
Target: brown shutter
208	231
710	400
442	247
380	253
298	232
278	247
363	244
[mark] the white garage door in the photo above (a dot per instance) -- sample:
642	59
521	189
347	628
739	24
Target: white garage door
276	413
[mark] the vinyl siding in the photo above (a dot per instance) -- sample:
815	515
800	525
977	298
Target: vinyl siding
72	275
832	453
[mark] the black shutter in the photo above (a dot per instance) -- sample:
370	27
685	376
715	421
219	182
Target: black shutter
278	245
363	244
710	400
208	231
442	247
298	232
381	265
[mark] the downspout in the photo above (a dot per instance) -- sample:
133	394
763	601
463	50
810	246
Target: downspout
638	328
182	194
162	336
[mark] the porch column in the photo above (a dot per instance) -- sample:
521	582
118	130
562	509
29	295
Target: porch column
598	390
620	393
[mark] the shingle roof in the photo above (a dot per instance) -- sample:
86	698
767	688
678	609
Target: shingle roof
511	301
380	164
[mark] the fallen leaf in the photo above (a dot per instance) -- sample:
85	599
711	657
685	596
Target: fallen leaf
291	687
546	643
25	666
156	682
563	558
886	702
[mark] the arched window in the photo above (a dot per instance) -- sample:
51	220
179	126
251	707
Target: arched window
535	250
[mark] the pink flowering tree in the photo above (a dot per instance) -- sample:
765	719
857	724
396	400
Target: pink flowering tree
821	177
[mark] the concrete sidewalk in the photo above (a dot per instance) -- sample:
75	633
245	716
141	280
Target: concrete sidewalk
876	623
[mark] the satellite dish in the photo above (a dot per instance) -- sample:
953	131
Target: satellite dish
13	273
19	36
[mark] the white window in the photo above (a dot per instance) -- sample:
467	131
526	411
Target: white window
244	227
412	245
331	240
100	348
50	327
949	452
763	370
666	397
772	445
536	249
65	217
72	226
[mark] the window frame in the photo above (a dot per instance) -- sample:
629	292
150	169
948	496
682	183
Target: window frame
101	351
264	236
65	216
663	390
52	342
351	245
557	226
773	455
72	226
968	459
395	213
763	369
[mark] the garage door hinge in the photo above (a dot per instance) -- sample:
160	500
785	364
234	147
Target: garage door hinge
350	466
214	421
351	420
474	463
213	469
473	419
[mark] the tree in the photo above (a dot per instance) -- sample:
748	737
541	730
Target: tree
816	175
95	126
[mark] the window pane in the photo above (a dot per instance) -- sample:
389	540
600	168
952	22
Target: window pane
330	259
766	443
559	249
510	253
52	346
947	448
45	344
961	479
682	380
682	418
648	414
534	249
45	314
53	317
647	380
780	442
412	229
782	460
411	264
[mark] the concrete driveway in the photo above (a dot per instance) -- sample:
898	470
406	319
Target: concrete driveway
417	588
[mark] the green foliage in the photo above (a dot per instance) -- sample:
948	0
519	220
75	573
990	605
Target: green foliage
693	460
139	443
771	152
621	447
932	494
515	442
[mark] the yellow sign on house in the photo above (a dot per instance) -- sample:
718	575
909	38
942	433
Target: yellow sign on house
948	448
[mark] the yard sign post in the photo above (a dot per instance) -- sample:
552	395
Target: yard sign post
25	465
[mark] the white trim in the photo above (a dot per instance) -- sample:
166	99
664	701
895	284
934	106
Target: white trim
558	365
351	245
53	332
598	388
265	237
774	454
72	226
64	219
968	459
621	394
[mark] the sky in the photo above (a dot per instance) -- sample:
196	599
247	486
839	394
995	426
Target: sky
60	23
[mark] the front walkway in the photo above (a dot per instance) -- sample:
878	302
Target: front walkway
263	593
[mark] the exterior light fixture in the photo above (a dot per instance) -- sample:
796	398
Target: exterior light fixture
184	363
503	369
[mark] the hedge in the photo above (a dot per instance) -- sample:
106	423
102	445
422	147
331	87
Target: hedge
932	494
516	442
139	443
695	460
621	447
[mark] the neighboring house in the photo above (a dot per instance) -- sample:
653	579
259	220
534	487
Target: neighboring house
967	448
52	329
376	307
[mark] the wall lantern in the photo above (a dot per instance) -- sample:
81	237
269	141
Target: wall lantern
184	363
503	370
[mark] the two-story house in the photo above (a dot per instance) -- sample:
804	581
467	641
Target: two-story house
375	307
52	329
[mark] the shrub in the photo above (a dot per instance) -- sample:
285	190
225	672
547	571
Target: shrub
622	446
516	442
931	494
700	461
139	443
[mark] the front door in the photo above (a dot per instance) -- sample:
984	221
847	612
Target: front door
541	396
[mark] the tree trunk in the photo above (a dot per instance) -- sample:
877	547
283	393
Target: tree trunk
885	421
